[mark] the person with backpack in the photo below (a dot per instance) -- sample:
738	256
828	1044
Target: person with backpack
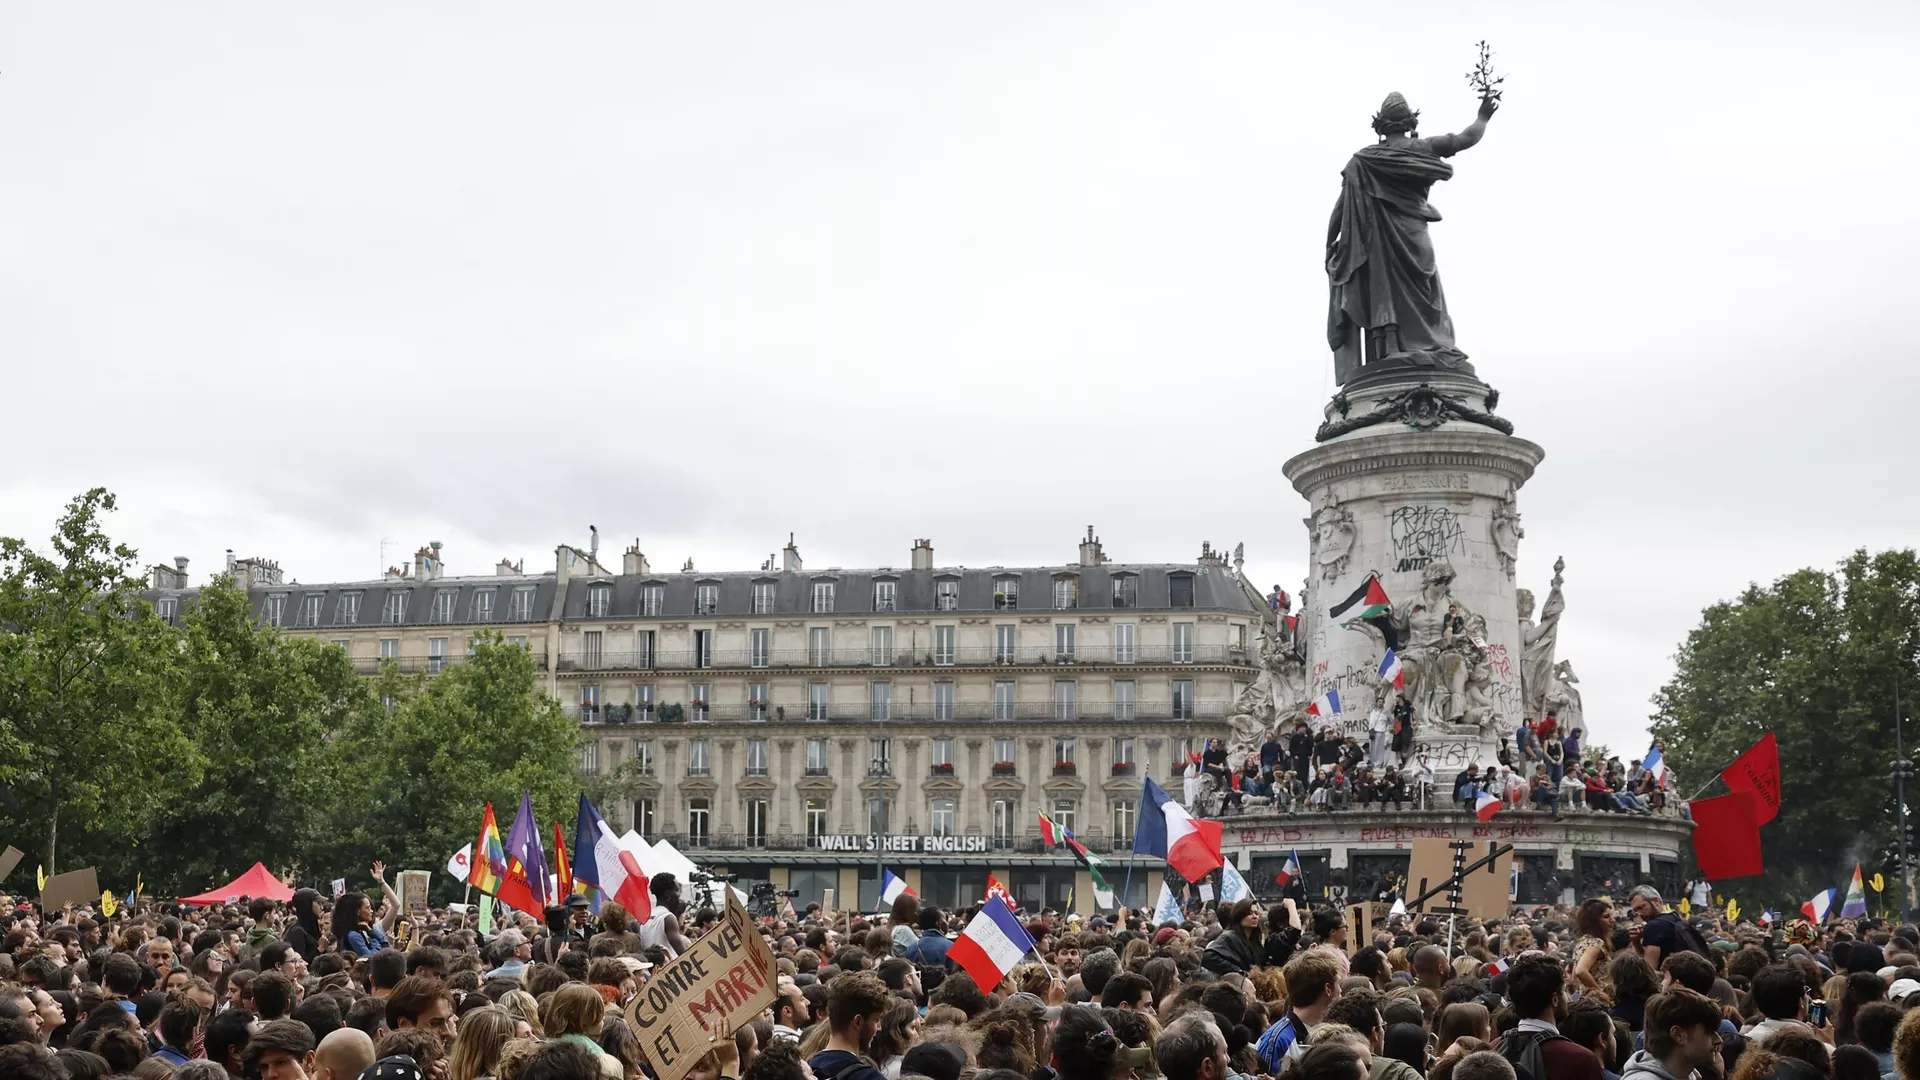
1664	932
1683	1035
1536	987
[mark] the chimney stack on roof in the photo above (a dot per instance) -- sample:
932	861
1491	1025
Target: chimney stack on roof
1090	554
922	555
790	557
426	563
633	563
508	568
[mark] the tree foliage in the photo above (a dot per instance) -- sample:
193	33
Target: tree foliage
1815	658
185	753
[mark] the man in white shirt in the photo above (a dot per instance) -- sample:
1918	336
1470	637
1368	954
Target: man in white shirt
1379	726
1423	783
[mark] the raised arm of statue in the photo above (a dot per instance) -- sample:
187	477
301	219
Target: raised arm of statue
1477	130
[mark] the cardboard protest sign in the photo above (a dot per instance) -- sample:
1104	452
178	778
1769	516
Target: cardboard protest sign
72	887
727	975
9	860
413	891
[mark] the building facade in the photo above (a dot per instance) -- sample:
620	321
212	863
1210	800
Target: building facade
801	727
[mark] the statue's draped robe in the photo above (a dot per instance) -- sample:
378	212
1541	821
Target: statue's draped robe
1381	268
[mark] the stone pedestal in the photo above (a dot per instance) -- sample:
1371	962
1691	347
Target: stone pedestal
1426	484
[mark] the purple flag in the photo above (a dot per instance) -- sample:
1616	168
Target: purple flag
523	843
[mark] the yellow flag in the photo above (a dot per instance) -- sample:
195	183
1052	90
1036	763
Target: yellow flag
139	887
1733	909
1686	909
107	904
40	872
1879	883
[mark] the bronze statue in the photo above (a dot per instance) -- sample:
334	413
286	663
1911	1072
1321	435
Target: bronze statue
1387	307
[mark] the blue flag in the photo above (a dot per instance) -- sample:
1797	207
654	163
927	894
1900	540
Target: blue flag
586	837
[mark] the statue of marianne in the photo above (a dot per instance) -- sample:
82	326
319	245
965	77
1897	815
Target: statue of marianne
1386	305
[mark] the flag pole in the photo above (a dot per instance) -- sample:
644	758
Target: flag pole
1126	890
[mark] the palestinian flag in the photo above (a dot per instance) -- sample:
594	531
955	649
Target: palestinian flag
1051	834
1369	604
1103	895
1087	858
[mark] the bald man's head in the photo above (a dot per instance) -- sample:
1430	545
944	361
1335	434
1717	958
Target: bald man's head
342	1055
1430	964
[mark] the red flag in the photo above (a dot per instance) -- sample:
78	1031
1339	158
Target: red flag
561	868
1726	838
515	893
1756	774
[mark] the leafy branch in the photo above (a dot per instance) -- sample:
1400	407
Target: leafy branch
1482	78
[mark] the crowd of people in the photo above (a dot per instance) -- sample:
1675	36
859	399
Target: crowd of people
347	990
1309	770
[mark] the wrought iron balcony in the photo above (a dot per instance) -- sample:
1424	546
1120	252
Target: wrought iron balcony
589	660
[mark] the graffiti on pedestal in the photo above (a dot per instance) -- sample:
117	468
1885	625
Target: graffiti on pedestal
1424	534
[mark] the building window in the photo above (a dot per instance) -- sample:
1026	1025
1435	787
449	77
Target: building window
482	606
590	758
1063	814
703	648
1183	643
1180	590
643	702
1183	699
643	757
1123	643
1003	644
760	648
702	695
1123	752
1003	819
1003	700
643	649
763	597
517	639
699	820
436	655
275	610
822	597
1240	636
389	648
819	646
520	606
1006	593
881	651
1126	591
347	614
168	609
816	819
1122	823
816	757
880	695
943	701
697	761
883	593
946	595
592	650
943	649
590	703
1066	700
1064	635
817	699
1123	708
653	599
757	822
643	816
880	762
443	600
943	752
1066	592
877	815
599	601
396	609
344	646
756	757
310	609
1063	751
944	813
706	599
1003	752
757	702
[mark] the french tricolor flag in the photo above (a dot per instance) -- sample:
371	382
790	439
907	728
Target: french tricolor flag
991	945
1290	870
609	866
1167	830
1390	670
1498	966
1818	907
1486	806
1326	705
1655	763
892	888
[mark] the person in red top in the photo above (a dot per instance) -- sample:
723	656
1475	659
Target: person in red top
1536	985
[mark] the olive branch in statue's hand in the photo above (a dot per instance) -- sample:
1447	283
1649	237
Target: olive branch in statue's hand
1482	78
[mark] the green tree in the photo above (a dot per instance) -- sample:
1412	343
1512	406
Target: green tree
421	770
1815	658
264	711
89	737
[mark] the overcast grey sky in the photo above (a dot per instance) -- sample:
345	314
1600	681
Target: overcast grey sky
293	281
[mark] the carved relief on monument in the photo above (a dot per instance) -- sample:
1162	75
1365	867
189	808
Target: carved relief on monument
1333	536
1507	534
1538	641
1273	701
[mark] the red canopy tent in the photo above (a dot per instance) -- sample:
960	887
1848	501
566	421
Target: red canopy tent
258	881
